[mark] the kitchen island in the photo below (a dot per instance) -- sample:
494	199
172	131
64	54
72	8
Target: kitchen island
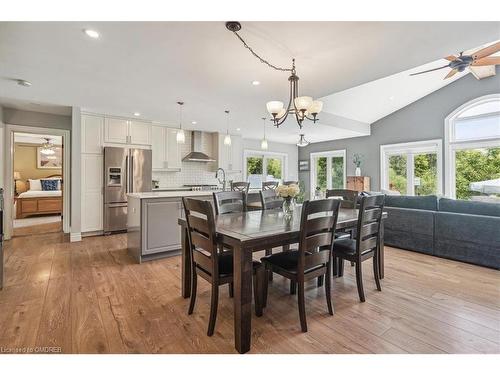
152	222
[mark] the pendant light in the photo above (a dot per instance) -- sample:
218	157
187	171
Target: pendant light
180	137
302	141
227	138
263	143
47	147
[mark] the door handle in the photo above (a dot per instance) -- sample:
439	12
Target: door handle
131	174
127	169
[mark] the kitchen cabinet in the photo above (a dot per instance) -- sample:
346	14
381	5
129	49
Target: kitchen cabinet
127	132
165	149
92	133
91	193
230	158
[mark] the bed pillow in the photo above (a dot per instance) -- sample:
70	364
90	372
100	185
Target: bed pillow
59	179
35	185
49	185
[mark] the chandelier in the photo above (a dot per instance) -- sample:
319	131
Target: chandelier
47	147
302	141
301	107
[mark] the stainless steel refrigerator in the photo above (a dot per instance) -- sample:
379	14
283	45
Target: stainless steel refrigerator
126	170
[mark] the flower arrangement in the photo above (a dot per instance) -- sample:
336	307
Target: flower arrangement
288	191
357	159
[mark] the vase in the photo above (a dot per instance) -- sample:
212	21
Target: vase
357	172
288	207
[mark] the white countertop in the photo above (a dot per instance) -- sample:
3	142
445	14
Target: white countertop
171	194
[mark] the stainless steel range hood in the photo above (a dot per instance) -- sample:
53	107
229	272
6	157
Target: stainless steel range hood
196	154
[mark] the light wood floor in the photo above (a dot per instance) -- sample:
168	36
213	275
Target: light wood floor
90	297
38	229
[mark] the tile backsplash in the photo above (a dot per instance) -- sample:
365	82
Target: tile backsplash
191	173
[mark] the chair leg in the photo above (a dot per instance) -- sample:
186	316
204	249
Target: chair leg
269	252
335	266
320	281
359	282
341	267
259	278
265	285
302	307
375	272
293	287
214	302
231	290
194	278
352	264
328	288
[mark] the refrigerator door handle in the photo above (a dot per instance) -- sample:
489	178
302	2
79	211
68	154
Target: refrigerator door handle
131	174
127	190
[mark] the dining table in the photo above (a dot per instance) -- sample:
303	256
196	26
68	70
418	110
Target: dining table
251	231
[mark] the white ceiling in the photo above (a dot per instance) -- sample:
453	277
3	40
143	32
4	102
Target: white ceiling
148	66
36	138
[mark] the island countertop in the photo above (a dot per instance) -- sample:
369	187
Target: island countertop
171	194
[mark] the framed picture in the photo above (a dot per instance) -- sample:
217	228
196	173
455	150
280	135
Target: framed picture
53	161
303	165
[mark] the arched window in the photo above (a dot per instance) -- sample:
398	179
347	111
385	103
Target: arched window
472	150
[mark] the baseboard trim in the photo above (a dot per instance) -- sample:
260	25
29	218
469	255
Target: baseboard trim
75	237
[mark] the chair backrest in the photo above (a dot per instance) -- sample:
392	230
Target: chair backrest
201	233
240	186
290	183
270	185
369	219
269	200
348	197
317	230
230	201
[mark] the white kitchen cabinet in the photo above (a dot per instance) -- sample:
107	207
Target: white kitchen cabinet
92	134
139	133
128	132
91	193
230	158
165	149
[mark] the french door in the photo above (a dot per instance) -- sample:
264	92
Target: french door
328	171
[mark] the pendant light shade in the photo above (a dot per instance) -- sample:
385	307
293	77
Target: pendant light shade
227	138
302	103
263	143
180	136
274	107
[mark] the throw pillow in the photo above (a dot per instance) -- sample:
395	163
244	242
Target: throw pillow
49	185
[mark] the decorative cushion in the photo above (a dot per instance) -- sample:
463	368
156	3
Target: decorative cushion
287	260
49	185
35	185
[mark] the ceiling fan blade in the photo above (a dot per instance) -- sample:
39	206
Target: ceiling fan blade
486	51
451	58
492	60
430	70
451	73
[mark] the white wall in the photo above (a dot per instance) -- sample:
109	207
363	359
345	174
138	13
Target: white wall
291	151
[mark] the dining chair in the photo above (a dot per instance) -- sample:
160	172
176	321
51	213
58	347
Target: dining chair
348	197
208	263
270	200
240	186
270	185
314	255
366	244
229	201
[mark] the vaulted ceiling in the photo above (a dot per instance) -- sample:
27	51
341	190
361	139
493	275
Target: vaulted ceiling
147	67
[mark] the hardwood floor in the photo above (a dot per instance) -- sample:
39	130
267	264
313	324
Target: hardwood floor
89	297
38	229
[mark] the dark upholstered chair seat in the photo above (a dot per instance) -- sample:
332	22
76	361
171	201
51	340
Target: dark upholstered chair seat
345	246
340	235
287	260
226	263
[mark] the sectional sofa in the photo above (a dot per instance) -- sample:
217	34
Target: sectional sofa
467	231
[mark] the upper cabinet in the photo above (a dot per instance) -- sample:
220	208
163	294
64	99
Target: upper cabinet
128	132
230	158
92	134
165	149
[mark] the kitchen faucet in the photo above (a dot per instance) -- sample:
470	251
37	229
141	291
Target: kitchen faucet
223	181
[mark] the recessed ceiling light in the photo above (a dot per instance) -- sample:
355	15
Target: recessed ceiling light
91	33
391	97
137	113
22	82
193	122
238	129
255	83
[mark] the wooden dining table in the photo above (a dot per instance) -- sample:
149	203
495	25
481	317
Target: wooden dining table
252	231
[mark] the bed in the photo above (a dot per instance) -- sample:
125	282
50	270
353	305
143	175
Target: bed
39	202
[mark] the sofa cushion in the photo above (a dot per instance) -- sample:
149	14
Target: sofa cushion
427	202
469	207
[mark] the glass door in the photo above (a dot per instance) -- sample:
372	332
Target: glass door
327	172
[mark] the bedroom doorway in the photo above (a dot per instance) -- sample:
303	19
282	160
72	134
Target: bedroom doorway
37	175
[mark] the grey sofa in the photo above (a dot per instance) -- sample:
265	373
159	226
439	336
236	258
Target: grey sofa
461	230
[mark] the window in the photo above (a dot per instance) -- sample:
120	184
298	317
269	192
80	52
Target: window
328	170
264	166
412	168
473	150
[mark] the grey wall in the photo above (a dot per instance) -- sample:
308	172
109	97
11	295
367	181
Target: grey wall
419	121
44	120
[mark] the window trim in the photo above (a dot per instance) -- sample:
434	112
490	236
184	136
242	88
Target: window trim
313	155
410	149
450	145
251	153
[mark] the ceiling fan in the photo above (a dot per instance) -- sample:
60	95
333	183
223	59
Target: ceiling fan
480	58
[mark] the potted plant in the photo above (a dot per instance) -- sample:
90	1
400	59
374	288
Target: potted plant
288	193
357	159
